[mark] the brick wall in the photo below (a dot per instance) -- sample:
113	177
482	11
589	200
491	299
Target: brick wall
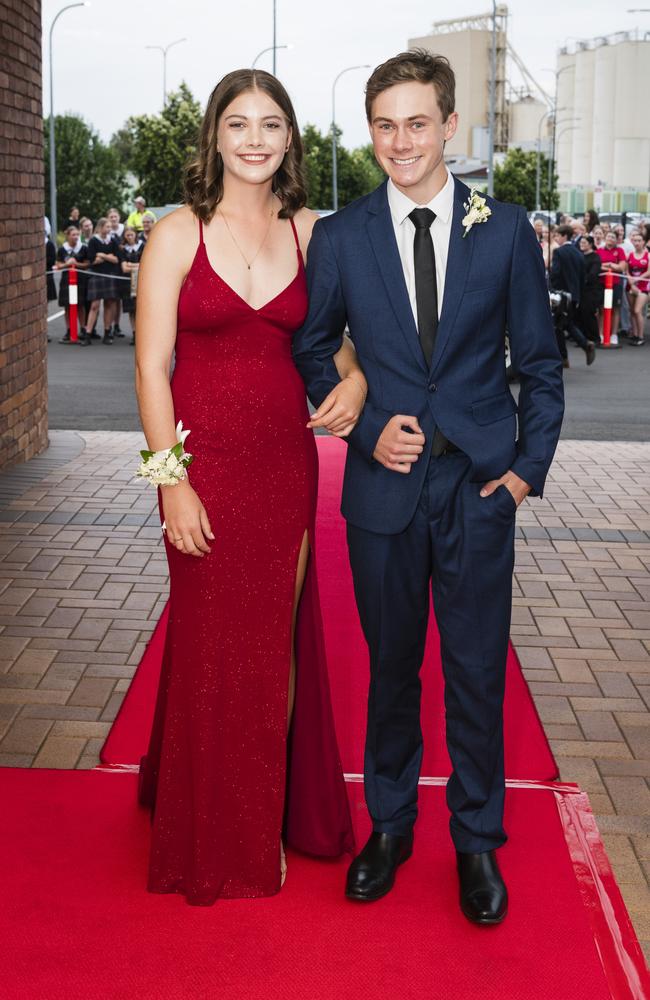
23	306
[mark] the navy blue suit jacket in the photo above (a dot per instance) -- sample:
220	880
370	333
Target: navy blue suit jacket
494	281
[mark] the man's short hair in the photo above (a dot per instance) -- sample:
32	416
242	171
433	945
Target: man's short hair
418	65
140	198
564	231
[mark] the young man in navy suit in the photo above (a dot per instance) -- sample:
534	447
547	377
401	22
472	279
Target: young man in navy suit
428	280
568	275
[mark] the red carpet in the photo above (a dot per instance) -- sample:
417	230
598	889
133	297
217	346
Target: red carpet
77	923
527	752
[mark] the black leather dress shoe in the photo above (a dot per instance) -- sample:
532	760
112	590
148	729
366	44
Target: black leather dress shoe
372	873
483	894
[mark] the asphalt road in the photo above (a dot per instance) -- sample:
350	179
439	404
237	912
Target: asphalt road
91	388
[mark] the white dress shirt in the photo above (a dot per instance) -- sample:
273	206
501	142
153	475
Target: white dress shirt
400	208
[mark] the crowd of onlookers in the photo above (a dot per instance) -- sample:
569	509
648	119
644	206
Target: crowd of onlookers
578	253
106	256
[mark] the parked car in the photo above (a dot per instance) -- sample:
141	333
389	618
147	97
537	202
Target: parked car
549	218
632	219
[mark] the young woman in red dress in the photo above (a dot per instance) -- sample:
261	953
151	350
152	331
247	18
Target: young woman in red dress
243	752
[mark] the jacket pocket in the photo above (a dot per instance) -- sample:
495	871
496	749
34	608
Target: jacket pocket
485	411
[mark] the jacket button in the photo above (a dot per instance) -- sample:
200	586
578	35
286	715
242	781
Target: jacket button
433	387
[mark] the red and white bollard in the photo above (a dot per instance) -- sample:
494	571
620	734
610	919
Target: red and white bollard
608	306
73	303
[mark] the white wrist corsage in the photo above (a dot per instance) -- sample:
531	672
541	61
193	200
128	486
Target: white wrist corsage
477	211
167	468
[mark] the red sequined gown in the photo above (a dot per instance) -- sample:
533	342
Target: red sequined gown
221	780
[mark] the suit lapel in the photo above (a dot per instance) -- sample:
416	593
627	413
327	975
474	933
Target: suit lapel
458	263
384	245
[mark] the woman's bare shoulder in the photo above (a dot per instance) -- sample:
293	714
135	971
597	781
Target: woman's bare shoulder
176	235
179	223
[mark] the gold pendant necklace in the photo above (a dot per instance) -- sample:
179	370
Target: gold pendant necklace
232	237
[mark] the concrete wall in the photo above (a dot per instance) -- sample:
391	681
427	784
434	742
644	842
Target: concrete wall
23	306
604	88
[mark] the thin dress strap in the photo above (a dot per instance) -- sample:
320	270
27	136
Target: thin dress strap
200	231
295	236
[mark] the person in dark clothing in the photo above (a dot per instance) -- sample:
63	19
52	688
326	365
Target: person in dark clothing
103	284
592	290
567	275
50	261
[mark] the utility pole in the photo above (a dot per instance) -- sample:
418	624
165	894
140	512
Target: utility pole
493	101
53	205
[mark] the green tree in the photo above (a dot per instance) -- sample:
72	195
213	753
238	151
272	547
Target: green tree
161	145
369	173
88	172
124	145
317	167
357	170
515	180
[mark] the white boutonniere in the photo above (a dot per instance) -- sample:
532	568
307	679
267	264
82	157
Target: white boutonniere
477	211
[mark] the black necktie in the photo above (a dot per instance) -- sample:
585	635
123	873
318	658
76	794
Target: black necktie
426	288
426	297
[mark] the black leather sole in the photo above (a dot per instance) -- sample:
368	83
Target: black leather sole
366	897
485	921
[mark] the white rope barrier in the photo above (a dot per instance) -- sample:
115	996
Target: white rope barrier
99	274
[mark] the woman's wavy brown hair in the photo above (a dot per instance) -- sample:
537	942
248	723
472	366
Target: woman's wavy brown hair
203	188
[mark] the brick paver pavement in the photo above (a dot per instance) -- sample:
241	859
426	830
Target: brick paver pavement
83	579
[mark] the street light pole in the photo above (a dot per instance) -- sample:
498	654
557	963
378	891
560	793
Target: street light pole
275	35
493	101
569	128
335	185
538	167
270	48
551	162
53	206
165	49
556	139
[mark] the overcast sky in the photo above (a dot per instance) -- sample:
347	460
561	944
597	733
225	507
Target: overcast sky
104	72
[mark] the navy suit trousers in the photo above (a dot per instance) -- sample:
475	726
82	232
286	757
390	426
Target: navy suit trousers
462	545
